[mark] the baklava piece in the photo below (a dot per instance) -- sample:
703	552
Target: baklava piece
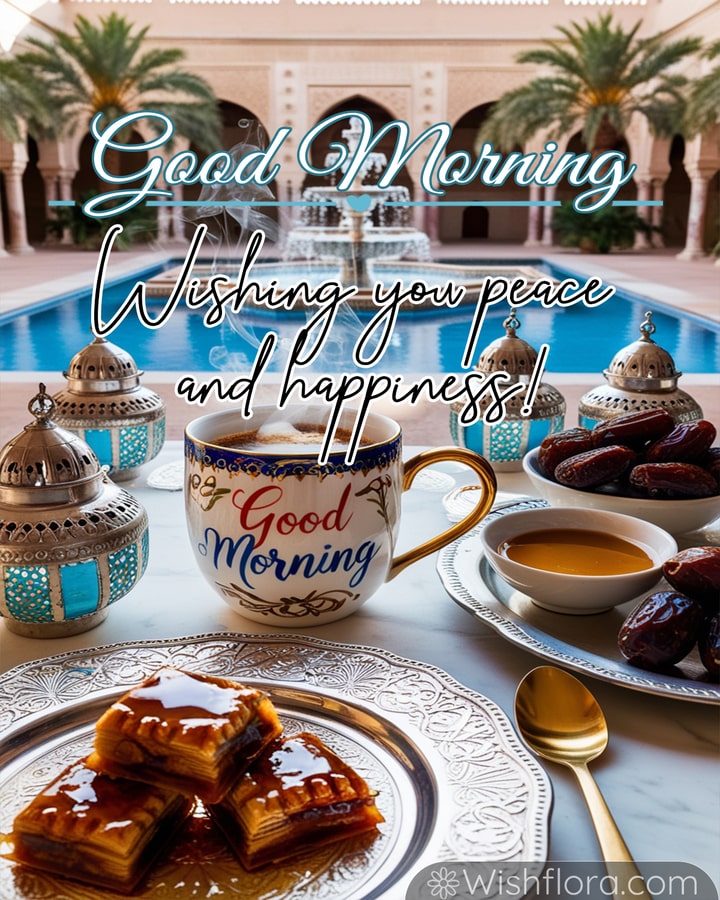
189	732
104	831
298	794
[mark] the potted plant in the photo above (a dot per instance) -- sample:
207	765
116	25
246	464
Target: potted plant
599	231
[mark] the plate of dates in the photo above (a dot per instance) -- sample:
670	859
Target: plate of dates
586	644
642	464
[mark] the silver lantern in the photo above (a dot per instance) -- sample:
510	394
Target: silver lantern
105	404
640	376
505	443
71	541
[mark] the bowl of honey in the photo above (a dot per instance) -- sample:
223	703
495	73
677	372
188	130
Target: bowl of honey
577	561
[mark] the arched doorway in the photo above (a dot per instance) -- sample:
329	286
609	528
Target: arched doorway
379	117
712	214
34	193
676	196
474	221
566	192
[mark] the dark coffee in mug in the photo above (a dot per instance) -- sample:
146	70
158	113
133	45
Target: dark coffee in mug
286	437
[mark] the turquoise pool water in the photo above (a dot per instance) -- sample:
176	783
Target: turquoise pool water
45	338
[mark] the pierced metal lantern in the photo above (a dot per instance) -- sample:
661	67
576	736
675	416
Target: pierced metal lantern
71	541
641	376
505	443
105	404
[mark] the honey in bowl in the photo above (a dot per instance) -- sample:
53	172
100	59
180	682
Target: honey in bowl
573	551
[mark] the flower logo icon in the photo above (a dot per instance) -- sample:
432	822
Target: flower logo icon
443	883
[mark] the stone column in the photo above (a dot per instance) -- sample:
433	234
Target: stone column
547	234
51	194
13	162
284	194
644	191
3	251
534	219
656	212
177	218
65	187
694	249
419	215
170	223
16	209
430	223
57	162
163	224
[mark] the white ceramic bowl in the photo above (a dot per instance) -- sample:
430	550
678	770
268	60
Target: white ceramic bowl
577	594
675	516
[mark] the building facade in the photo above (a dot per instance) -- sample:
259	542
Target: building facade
291	63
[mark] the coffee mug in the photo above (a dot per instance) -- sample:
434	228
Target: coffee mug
289	541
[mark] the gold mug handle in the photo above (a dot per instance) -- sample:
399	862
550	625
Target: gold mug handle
486	475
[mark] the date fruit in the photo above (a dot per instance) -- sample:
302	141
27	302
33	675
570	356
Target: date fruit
687	442
709	645
711	462
634	430
672	481
556	448
661	630
595	467
696	573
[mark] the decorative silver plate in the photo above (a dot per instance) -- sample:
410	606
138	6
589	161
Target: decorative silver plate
587	644
454	781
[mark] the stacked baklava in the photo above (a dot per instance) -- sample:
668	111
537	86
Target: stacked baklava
176	737
297	793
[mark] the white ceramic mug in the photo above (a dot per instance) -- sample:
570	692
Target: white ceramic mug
292	542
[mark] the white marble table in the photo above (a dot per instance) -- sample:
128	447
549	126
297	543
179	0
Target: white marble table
660	774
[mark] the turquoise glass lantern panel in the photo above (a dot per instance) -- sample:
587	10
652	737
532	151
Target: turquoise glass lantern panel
27	593
81	588
134	445
101	443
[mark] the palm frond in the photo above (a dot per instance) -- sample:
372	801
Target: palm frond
599	74
154	59
712	50
177	81
703	107
657	58
199	122
22	99
519	114
104	67
53	68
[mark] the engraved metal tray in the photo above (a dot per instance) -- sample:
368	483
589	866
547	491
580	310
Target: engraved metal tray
453	779
586	644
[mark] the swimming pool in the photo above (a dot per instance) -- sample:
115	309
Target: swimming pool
46	337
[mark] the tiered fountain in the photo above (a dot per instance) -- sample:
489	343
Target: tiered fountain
363	223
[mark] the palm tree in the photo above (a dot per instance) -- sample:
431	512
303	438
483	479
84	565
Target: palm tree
21	99
101	69
703	109
599	77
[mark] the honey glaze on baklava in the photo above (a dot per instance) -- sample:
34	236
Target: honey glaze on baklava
90	827
190	732
296	795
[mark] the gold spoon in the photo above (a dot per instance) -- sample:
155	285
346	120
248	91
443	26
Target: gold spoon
561	721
